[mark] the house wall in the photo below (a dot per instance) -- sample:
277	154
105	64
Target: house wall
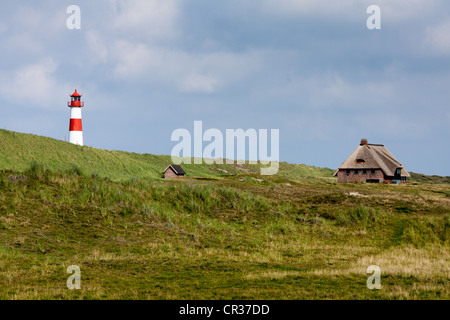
342	177
170	174
389	180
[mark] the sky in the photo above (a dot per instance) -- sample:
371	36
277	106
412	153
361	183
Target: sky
311	69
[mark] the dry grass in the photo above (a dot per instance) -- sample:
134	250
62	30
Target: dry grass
424	264
237	237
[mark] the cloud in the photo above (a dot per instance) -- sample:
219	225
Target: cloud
330	92
333	91
31	32
44	24
400	10
154	18
438	37
33	85
296	7
97	48
132	60
183	71
199	83
393	126
351	10
309	68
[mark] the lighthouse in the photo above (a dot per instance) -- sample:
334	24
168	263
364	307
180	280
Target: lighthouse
75	128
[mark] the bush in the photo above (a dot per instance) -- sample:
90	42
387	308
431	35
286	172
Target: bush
423	231
360	215
37	170
75	171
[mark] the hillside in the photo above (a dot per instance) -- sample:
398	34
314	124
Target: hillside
419	177
212	235
19	151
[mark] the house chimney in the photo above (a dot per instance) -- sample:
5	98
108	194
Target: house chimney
364	142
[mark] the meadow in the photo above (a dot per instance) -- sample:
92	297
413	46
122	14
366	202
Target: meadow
222	232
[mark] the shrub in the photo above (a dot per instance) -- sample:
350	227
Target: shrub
360	215
424	231
37	170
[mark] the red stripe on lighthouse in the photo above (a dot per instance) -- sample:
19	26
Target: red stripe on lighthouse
75	125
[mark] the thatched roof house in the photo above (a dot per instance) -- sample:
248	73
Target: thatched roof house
371	163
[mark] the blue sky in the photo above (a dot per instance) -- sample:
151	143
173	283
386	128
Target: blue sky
311	69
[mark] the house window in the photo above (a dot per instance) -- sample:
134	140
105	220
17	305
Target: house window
364	172
347	172
372	171
398	171
360	161
356	171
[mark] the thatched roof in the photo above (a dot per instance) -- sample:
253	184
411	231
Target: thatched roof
373	156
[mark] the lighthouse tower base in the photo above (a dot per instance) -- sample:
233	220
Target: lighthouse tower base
76	137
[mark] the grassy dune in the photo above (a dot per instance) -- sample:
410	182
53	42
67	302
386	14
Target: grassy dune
213	235
19	151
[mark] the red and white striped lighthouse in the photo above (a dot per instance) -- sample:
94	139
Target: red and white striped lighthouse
75	128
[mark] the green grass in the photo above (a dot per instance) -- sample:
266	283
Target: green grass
19	151
428	179
213	235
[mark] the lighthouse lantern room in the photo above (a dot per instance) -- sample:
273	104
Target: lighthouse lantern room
75	128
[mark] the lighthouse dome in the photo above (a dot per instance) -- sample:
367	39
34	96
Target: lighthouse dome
76	94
